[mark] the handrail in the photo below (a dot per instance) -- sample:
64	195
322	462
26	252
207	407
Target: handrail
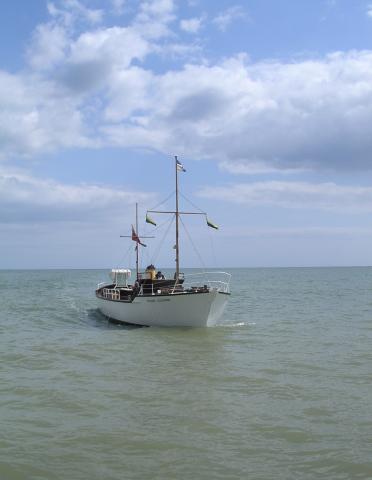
221	285
210	280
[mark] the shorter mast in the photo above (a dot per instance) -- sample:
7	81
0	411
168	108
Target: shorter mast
137	249
138	242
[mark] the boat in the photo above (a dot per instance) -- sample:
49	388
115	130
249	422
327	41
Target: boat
194	300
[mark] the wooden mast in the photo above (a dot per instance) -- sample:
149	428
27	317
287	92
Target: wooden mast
177	213
137	249
177	226
137	242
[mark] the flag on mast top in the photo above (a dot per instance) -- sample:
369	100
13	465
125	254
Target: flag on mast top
180	167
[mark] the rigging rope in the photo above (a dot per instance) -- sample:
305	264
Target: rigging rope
153	230
209	233
193	245
155	257
125	256
162	202
149	258
191	203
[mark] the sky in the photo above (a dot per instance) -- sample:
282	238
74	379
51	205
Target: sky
267	103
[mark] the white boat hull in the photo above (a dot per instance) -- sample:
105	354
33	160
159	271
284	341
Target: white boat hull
177	310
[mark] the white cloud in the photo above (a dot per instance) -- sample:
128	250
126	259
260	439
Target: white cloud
224	19
93	16
118	6
152	21
298	195
191	25
48	46
51	40
369	10
253	168
157	8
35	118
129	90
115	46
251	117
24	198
154	16
74	10
290	232
304	115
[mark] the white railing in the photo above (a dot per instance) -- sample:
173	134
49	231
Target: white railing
111	293
219	281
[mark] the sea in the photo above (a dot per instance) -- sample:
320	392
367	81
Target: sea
280	389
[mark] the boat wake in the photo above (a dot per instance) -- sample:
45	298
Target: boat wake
238	324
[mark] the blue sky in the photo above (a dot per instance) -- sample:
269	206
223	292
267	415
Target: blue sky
267	103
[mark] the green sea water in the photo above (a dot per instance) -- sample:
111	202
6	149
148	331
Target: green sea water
281	389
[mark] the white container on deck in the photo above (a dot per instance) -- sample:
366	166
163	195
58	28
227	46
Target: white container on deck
120	276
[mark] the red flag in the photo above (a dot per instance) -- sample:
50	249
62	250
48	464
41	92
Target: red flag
136	238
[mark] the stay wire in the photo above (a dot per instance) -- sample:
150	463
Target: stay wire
209	233
163	201
155	257
158	226
125	256
193	245
192	204
151	230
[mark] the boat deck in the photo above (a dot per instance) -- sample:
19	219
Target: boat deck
187	285
128	294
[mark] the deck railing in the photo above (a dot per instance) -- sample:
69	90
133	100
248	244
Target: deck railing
219	281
